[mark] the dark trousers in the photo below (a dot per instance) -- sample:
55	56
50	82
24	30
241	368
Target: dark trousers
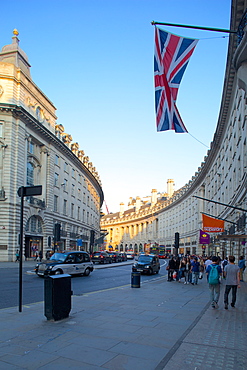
234	293
170	274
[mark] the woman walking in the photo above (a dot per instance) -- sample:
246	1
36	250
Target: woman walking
187	270
182	268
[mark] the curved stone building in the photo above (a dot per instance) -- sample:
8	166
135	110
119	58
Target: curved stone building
221	177
35	150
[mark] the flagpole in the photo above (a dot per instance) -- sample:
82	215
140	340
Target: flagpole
194	27
223	219
223	204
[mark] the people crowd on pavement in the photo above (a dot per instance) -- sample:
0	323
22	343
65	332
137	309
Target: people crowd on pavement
192	269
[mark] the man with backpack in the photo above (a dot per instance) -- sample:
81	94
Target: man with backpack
214	272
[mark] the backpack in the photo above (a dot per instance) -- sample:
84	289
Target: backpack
213	277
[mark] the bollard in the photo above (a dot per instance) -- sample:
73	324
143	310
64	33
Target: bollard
135	280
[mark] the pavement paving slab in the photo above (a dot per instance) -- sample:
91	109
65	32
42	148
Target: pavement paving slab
162	325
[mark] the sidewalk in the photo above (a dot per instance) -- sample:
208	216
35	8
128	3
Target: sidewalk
162	325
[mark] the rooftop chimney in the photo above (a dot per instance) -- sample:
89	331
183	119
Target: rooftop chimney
154	197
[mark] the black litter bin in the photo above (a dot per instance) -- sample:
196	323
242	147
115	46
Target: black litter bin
57	296
135	280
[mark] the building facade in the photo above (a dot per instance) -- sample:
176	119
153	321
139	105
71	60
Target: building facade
35	150
221	178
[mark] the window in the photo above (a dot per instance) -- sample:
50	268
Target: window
57	160
30	147
66	167
78	213
72	210
55	203
73	173
65	207
65	184
83	216
86	258
56	178
1	129
30	174
34	225
73	189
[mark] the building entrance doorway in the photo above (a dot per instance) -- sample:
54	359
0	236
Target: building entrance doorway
33	244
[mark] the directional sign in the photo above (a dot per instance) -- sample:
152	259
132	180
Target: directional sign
27	191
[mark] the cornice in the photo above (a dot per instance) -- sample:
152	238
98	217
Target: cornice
20	112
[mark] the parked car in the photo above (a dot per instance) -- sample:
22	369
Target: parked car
130	255
101	257
147	263
115	256
123	256
68	262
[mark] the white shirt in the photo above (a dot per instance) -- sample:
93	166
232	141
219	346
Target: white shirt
207	263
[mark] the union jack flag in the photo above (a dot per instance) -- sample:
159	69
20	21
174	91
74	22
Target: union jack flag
171	56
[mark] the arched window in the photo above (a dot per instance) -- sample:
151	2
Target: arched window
34	225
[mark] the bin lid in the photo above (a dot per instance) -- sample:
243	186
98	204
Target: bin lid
59	276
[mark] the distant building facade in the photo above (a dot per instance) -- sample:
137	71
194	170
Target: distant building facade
35	150
221	178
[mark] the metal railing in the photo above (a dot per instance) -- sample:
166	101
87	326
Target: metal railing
241	27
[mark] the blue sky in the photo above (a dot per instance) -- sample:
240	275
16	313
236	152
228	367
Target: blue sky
94	60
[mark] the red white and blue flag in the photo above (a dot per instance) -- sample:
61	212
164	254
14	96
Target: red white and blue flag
172	54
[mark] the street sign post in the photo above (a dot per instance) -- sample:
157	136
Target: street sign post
24	191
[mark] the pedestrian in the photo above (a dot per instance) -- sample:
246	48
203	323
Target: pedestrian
40	255
17	256
223	265
171	268
47	255
187	270
195	269
241	265
208	262
214	272
182	268
190	258
232	275
201	268
177	264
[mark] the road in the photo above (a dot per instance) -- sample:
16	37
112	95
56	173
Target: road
33	286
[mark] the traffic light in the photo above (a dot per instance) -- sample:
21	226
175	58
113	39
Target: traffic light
176	240
57	232
92	236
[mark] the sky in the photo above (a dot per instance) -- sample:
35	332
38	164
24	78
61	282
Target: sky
94	60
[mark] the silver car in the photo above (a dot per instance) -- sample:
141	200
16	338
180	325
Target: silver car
68	262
